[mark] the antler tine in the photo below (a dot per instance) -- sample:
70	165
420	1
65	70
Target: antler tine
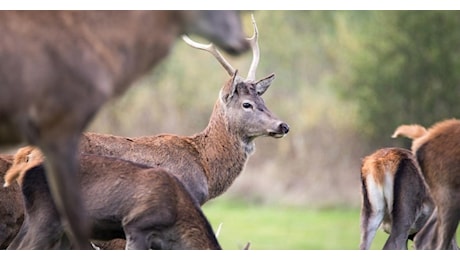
218	229
212	49
255	51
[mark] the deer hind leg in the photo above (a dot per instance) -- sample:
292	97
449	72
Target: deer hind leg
446	226
61	171
15	243
43	236
137	239
431	235
400	226
42	227
144	231
372	213
406	206
425	239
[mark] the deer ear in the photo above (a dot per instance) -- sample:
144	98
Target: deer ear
263	84
229	89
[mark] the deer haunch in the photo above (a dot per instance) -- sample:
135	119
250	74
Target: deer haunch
147	206
207	162
11	206
11	200
438	153
59	67
394	196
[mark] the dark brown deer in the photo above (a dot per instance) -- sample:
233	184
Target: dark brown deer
438	154
148	207
59	67
394	197
207	162
11	206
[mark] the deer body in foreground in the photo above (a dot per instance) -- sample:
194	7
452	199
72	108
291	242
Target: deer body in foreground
394	197
438	154
207	162
59	67
11	206
148	207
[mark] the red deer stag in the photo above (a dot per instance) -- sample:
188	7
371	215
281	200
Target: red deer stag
394	197
148	207
207	162
59	67
438	154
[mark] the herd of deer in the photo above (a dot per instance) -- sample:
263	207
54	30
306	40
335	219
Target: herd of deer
134	193
59	67
414	194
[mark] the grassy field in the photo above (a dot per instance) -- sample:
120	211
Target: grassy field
285	228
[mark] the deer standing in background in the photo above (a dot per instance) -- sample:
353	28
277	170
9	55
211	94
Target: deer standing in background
207	162
438	153
148	207
394	197
59	67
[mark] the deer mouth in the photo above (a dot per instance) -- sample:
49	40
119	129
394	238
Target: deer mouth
283	129
276	135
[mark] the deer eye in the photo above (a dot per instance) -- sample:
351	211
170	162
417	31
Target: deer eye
247	105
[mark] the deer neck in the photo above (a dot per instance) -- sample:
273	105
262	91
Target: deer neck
224	152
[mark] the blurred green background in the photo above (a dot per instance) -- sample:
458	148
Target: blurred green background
344	81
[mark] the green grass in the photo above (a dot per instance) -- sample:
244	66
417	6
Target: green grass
286	228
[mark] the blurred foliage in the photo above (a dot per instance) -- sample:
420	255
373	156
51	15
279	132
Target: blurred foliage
403	67
344	81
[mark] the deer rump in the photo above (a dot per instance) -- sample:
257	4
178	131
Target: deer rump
394	196
148	207
438	153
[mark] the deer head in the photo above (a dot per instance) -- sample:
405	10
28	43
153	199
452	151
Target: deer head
241	98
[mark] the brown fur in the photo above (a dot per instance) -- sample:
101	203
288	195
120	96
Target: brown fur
438	153
207	162
59	67
394	197
413	132
11	206
25	158
12	211
146	206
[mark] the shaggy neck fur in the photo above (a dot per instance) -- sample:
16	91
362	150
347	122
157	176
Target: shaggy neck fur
224	153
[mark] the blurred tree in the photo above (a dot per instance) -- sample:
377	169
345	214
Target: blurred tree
401	67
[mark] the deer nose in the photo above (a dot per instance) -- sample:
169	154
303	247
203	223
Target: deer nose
284	128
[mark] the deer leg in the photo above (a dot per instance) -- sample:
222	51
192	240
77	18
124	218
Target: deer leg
140	229
369	229
45	233
399	233
447	224
41	228
138	235
137	240
426	237
403	213
61	171
19	236
372	213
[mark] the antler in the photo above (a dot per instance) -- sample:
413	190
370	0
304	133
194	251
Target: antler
212	49
218	230
255	51
230	70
